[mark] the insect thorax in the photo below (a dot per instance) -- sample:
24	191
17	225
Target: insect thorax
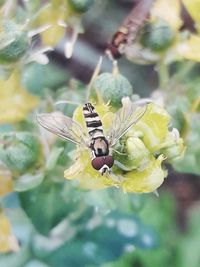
100	146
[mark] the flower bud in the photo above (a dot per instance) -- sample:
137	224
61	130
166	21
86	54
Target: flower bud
134	156
174	147
81	5
157	36
112	88
19	151
14	42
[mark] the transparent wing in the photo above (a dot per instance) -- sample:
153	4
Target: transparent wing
124	119
63	127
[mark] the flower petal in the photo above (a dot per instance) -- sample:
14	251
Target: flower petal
52	16
193	7
8	241
189	49
6	185
15	101
168	11
87	176
81	161
154	126
147	180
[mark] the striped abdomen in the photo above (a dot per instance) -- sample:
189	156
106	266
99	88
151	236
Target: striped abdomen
93	122
99	143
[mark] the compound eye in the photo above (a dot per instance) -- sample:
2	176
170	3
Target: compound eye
97	163
109	161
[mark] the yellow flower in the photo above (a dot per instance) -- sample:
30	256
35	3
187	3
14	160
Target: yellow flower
193	7
154	126
8	241
6	185
169	11
147	180
54	17
88	177
189	49
15	102
150	132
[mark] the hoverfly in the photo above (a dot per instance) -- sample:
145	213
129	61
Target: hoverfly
99	142
129	29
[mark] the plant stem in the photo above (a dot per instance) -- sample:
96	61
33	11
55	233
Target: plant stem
183	72
163	74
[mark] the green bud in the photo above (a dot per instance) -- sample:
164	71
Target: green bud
174	152
157	36
20	152
112	88
81	5
14	42
132	155
173	146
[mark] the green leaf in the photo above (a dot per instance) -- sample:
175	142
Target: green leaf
45	205
105	242
53	158
14	42
36	263
28	181
17	259
191	161
188	248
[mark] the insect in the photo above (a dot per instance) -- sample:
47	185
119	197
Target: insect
100	143
129	29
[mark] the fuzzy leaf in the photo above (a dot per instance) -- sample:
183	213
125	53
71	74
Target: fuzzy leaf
45	205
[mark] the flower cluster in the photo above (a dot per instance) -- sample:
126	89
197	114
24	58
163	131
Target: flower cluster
138	155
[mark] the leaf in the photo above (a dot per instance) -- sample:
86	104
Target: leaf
28	181
53	158
45	205
36	263
16	259
188	249
106	242
191	161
